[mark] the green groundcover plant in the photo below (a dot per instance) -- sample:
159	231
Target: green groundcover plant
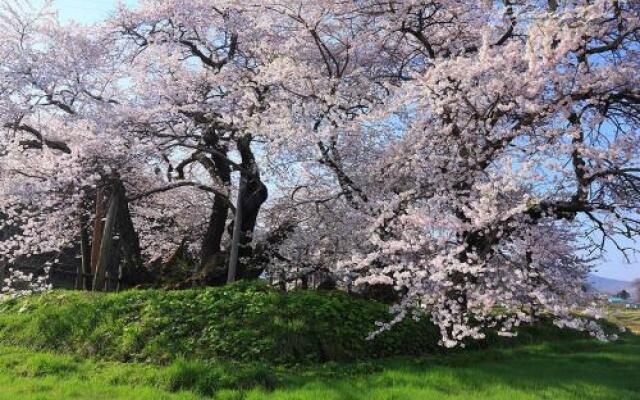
242	322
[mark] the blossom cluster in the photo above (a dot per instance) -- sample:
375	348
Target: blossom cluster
19	284
473	157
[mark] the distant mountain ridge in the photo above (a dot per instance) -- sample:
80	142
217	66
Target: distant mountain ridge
610	286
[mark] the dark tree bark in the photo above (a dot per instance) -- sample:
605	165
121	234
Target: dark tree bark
83	281
131	271
213	268
98	228
114	267
106	244
212	240
254	195
237	231
213	263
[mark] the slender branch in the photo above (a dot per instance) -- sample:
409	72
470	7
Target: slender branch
40	139
176	185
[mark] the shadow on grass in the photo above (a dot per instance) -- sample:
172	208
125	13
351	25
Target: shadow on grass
571	369
584	369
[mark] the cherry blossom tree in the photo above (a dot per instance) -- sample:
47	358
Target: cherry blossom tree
473	157
69	157
194	70
505	123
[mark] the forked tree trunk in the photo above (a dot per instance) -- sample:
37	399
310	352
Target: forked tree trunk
253	196
106	243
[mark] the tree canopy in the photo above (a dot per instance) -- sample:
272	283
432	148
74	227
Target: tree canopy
473	156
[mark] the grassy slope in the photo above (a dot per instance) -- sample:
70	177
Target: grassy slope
242	322
193	340
578	369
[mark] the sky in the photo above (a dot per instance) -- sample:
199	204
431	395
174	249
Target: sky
616	267
86	11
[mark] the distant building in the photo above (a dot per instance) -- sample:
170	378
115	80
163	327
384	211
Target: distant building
615	300
628	303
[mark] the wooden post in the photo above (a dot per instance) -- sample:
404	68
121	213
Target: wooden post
106	243
83	281
98	228
235	240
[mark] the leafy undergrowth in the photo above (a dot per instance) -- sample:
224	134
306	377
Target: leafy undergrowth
240	323
569	369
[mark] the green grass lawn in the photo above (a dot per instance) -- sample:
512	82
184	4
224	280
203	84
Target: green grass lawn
247	341
577	369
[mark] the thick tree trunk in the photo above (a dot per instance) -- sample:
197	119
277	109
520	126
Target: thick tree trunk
106	243
114	266
213	264
131	270
254	195
212	240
